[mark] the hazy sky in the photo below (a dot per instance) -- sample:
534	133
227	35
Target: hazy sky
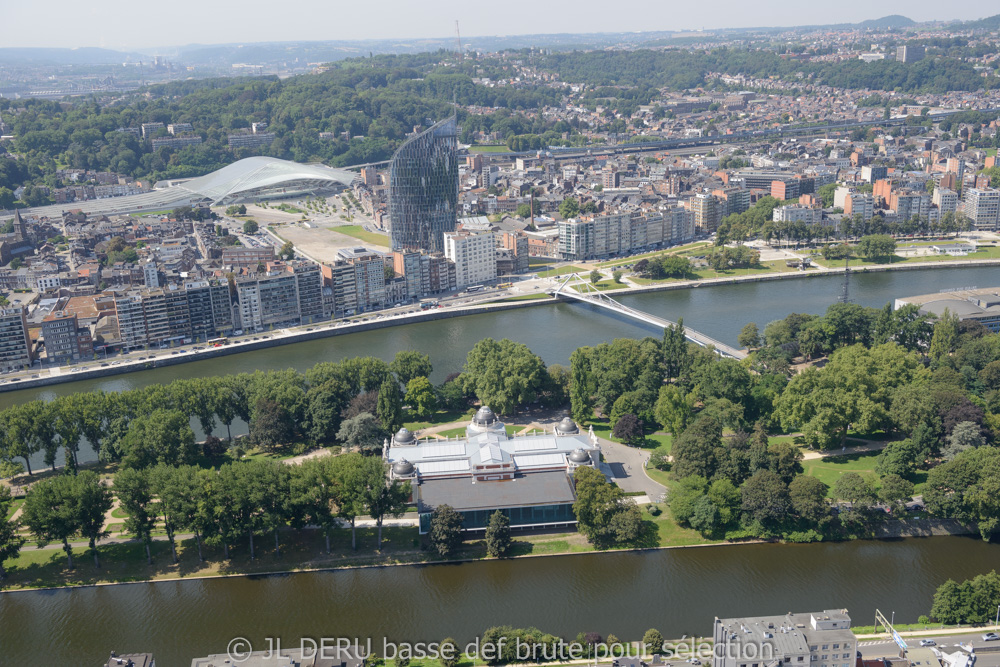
119	24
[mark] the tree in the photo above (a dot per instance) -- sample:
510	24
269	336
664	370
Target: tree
853	488
180	491
420	397
50	512
965	435
503	374
569	208
617	276
93	500
808	497
947	606
629	430
364	432
287	251
162	436
694	450
704	516
603	513
449	652
498	535
523	211
595	277
10	541
674	410
271	425
390	406
895	491
6	198
250	227
380	496
446	529
749	336
877	246
765	499
135	497
409	364
653	641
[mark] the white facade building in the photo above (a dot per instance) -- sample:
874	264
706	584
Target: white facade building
474	256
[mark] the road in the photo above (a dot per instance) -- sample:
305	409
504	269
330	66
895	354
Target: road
945	643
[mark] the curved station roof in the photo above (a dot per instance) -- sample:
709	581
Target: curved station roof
248	180
256	178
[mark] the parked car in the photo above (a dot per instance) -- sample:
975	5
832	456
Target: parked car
928	642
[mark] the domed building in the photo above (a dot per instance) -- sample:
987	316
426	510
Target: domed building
528	476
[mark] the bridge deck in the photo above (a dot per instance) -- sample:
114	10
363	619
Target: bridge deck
604	301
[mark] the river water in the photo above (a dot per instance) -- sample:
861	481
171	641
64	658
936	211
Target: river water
677	591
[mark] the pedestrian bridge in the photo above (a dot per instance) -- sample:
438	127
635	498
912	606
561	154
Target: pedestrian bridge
598	298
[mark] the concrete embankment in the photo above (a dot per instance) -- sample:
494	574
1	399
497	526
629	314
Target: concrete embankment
267	340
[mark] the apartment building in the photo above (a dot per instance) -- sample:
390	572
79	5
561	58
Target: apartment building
909	204
516	244
64	339
946	200
793	213
982	207
732	200
250	140
474	256
819	639
15	344
706	212
856	203
196	310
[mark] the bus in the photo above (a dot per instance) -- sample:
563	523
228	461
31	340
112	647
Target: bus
218	342
474	288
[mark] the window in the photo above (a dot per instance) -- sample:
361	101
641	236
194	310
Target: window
836	646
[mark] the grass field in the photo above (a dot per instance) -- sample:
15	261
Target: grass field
561	271
359	232
776	266
985	252
828	470
492	148
603	286
13	507
439	417
522	297
683	250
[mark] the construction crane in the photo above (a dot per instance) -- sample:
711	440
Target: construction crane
458	37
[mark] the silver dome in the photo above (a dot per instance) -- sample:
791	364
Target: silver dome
402	467
567	425
579	456
484	416
403	436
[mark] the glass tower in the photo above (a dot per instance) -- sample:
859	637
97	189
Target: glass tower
423	189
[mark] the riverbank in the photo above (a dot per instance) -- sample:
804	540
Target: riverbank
489	304
125	562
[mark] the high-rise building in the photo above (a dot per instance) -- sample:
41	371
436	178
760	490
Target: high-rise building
423	189
15	345
64	340
982	207
909	54
946	200
474	255
705	209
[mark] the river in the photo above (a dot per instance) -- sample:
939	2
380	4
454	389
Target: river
676	591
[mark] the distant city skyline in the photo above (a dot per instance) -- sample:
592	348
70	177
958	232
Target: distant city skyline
116	24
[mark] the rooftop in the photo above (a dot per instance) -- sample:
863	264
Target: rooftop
463	494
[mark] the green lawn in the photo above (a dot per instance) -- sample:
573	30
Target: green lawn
777	266
522	297
828	470
683	250
602	286
358	232
983	252
561	271
440	417
492	148
13	507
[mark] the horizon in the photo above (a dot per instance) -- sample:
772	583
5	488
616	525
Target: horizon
128	30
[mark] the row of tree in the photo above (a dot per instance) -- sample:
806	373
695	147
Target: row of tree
238	501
